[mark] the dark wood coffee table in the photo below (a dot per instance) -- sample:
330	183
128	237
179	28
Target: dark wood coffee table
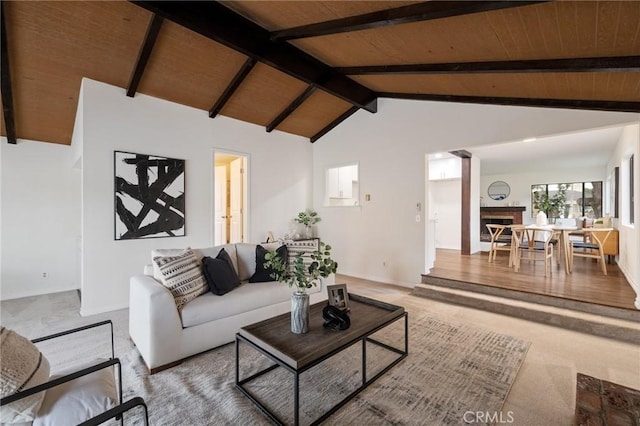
298	353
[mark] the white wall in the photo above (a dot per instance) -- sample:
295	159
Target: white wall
445	202
520	184
279	180
629	235
40	219
474	225
390	146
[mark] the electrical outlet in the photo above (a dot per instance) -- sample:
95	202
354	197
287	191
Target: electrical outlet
44	275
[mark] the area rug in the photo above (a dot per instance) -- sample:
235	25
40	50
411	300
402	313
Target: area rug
451	369
599	402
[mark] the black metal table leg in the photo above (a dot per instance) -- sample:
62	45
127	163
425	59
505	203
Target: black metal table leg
237	361
364	361
296	402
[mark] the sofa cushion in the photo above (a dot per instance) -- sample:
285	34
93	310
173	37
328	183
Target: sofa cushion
162	253
23	367
182	275
246	260
262	273
304	248
219	273
214	251
245	298
246	253
200	253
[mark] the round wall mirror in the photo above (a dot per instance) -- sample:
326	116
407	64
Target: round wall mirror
499	190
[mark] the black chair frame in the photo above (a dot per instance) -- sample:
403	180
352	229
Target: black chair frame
115	412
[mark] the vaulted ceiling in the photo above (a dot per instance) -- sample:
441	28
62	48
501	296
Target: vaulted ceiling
305	66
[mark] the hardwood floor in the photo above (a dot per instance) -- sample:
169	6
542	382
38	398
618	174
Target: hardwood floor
587	283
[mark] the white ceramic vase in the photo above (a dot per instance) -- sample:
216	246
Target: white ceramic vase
541	219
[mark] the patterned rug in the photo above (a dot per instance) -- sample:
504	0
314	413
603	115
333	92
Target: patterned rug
599	402
451	370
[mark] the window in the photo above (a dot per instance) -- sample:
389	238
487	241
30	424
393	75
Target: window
342	186
567	199
631	199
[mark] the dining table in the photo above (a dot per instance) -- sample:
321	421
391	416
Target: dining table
562	231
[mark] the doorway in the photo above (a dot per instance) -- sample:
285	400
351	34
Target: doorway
230	210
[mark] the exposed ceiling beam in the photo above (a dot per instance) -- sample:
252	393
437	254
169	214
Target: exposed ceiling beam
7	92
216	22
292	107
145	52
334	123
604	64
620	106
232	87
462	153
401	15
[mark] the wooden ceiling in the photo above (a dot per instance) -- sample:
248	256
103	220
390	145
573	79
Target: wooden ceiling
305	66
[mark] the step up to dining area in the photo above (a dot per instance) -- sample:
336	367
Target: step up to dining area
608	322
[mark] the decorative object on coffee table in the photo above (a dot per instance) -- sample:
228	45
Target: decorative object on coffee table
338	296
302	277
335	319
308	218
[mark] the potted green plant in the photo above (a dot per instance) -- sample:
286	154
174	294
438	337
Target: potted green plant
301	276
551	206
308	218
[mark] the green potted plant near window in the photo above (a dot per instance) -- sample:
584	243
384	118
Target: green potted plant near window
551	206
301	276
308	218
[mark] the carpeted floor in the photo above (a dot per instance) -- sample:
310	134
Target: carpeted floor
451	370
544	392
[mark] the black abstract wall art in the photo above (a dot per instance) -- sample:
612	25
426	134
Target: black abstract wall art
149	196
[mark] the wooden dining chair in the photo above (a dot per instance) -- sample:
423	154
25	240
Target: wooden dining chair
592	248
527	248
498	241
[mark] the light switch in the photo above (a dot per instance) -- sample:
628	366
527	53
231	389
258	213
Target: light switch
367	197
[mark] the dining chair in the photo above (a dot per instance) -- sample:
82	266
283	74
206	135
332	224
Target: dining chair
525	243
592	247
498	241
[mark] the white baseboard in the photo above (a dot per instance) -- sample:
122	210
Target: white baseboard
383	280
88	312
635	286
34	293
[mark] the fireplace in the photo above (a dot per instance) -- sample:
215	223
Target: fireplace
508	215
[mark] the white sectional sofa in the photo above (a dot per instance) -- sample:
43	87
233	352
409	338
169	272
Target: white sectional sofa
164	337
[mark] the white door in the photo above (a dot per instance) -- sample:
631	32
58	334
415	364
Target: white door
220	209
235	189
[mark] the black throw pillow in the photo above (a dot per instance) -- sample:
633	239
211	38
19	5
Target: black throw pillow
263	274
219	273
